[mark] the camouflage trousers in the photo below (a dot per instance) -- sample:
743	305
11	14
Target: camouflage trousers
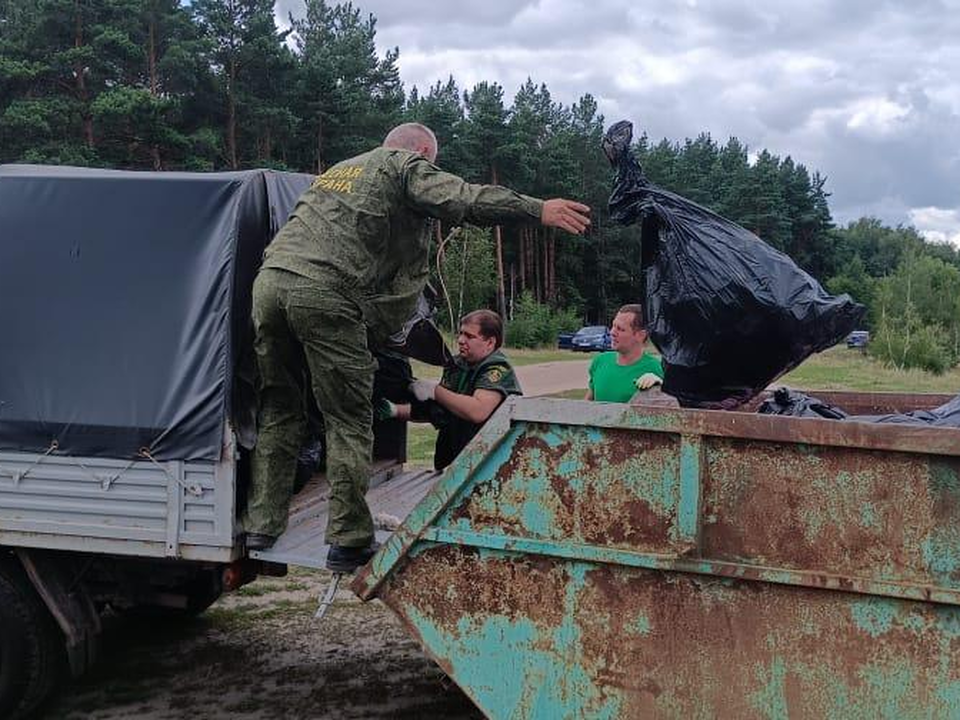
305	325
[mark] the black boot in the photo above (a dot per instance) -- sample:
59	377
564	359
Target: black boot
347	559
259	541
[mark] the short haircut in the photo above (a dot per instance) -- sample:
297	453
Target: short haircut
409	136
489	322
637	311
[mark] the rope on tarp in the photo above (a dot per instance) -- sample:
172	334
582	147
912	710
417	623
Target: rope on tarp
193	489
106	481
21	474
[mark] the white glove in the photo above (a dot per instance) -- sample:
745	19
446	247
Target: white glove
647	381
423	390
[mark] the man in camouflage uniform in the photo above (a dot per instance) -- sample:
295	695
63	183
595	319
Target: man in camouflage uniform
348	265
471	389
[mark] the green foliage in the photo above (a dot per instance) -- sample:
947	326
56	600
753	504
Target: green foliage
536	325
917	315
853	280
468	272
215	84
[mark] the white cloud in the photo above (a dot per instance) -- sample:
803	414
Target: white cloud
877	116
866	92
937	224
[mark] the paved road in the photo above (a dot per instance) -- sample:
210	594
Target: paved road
553	377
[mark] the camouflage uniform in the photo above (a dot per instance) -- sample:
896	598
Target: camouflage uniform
492	373
348	265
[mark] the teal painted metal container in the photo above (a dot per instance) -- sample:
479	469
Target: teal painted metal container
591	560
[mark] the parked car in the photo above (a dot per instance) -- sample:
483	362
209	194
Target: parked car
858	339
592	338
565	341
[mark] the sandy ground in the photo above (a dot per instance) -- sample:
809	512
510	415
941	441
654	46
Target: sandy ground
259	653
553	377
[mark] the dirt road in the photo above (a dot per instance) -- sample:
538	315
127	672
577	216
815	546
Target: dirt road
258	653
553	377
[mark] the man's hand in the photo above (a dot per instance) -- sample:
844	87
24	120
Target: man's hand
383	409
647	381
423	390
567	215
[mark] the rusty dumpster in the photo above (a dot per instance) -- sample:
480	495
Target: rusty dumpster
593	560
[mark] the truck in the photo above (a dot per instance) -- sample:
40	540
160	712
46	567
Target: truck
127	409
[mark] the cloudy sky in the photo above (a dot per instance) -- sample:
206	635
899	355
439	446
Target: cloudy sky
865	91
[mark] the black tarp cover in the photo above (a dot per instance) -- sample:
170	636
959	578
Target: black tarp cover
125	305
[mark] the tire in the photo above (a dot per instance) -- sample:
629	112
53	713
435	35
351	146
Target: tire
13	620
31	645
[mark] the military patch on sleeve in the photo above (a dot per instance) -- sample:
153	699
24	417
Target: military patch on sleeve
494	374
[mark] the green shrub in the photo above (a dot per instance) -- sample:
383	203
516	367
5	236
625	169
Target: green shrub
905	342
536	325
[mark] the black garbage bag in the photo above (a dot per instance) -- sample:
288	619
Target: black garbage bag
798	404
420	338
728	313
947	415
785	401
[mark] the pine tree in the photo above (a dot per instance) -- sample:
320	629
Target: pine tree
485	138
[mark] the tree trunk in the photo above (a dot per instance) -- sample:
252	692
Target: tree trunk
232	115
154	79
152	55
546	266
552	268
513	288
80	71
498	239
537	262
320	167
532	258
524	234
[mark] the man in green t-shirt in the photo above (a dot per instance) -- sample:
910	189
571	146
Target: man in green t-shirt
615	376
345	272
471	389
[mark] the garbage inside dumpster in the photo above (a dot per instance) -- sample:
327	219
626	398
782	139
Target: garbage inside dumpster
785	401
728	313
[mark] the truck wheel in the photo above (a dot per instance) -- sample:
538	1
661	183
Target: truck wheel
13	619
31	647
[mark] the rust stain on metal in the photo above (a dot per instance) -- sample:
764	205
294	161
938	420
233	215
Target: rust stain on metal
619	488
834	509
442	581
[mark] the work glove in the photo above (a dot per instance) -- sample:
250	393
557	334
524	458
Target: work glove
423	390
647	381
383	409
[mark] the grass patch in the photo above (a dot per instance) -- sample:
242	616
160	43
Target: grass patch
421	439
517	357
576	394
841	368
256	589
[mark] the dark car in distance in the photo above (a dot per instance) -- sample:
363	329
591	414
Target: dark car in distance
565	341
858	339
592	338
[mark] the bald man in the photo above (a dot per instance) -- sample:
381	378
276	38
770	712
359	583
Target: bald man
348	265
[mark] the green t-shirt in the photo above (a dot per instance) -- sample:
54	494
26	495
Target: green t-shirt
611	382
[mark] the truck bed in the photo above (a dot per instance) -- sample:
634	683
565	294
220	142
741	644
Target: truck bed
394	492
